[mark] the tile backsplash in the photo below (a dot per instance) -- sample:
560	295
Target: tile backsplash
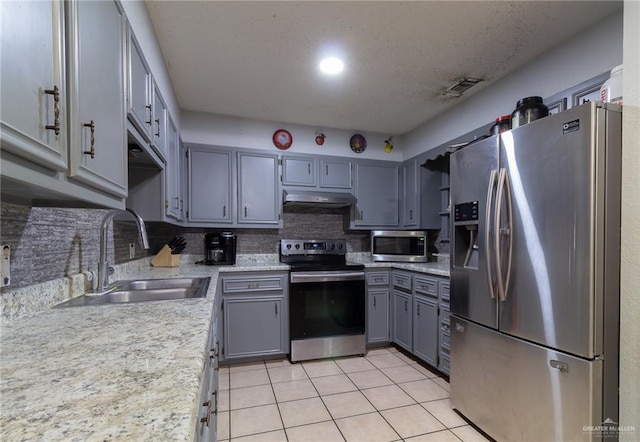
50	243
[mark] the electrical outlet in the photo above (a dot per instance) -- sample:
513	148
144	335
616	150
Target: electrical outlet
5	266
132	250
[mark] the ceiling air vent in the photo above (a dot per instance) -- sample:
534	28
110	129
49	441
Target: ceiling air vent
461	86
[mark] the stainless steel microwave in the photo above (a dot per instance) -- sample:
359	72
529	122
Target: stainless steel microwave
399	245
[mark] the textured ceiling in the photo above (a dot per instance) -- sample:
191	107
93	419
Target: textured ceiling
259	59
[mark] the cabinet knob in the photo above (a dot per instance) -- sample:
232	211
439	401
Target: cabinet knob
55	127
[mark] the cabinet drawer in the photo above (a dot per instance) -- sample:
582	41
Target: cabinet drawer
401	280
444	290
378	278
444	313
425	286
445	338
444	364
253	283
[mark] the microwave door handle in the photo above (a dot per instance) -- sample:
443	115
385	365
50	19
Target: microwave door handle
487	232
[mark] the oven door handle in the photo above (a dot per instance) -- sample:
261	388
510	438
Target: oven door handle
328	276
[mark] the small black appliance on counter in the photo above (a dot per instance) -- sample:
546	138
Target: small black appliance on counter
219	249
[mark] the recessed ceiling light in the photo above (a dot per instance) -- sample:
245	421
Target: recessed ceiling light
331	65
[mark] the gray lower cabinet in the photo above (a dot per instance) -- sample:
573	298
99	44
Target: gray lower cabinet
377	307
376	188
420	312
425	329
254	315
208	399
445	326
402	307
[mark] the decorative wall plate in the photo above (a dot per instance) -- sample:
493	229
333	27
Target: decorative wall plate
282	139
358	143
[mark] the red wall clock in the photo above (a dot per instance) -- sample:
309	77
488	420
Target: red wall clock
282	139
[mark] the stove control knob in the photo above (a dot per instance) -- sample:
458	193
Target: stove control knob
288	246
333	246
340	245
297	246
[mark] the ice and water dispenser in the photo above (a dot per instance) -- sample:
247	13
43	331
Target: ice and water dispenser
465	226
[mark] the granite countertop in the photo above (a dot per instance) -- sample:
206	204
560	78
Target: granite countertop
112	372
431	268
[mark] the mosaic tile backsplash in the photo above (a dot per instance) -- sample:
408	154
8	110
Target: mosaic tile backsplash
51	243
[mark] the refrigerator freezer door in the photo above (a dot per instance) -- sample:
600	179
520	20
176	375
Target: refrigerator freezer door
555	169
470	175
514	390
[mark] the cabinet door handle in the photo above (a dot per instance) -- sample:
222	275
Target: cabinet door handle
418	309
309	168
149	122
411	214
326	169
158	132
245	211
55	127
374	302
92	151
276	306
361	215
224	211
405	305
177	198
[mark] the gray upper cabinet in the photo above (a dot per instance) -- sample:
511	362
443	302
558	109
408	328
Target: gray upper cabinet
376	188
160	129
97	117
173	181
33	89
139	89
336	173
299	171
210	185
410	194
259	198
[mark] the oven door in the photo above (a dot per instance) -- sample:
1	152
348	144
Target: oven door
326	303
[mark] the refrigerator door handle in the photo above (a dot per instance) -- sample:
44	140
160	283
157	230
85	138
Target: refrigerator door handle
503	188
509	231
487	231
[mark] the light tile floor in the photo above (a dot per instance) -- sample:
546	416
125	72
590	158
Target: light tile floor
385	396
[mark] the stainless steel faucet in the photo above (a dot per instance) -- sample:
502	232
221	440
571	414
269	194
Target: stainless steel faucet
103	265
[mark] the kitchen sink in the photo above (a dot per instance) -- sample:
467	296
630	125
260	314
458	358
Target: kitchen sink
144	290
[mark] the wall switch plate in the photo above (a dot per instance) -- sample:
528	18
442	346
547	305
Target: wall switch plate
5	267
132	250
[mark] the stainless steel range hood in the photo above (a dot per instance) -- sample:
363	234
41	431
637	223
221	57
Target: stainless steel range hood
317	199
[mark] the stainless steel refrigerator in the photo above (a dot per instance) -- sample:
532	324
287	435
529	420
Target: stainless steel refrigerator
535	275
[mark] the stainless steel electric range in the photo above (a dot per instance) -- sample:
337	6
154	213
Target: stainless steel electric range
326	299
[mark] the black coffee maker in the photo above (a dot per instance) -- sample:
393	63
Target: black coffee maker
220	248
